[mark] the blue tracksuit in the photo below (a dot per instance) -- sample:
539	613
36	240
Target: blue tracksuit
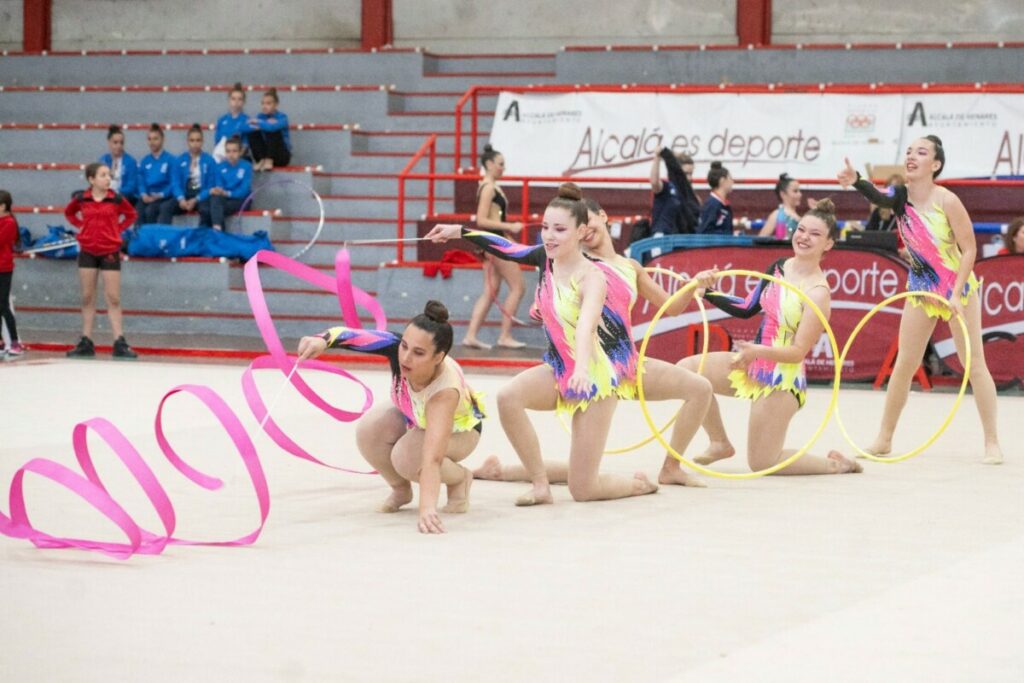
228	126
235	180
280	123
715	217
155	174
207	175
129	173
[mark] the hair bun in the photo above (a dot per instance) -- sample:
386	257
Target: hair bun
488	148
436	311
826	205
237	86
155	127
784	176
570	191
716	164
113	128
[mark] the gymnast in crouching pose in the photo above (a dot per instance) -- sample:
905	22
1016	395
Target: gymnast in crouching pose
435	419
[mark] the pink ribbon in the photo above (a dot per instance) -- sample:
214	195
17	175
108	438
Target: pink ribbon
89	486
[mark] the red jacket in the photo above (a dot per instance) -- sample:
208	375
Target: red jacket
98	221
8	238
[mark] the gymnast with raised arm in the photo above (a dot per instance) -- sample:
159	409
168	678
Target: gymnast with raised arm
939	238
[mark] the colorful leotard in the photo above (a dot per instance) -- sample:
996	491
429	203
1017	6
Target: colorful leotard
782	313
929	238
612	368
468	415
785	224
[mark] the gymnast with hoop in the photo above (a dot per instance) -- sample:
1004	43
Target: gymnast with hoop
581	378
940	242
627	282
770	370
435	419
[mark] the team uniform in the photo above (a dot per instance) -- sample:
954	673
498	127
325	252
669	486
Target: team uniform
612	368
229	126
469	414
715	216
155	179
269	138
100	225
236	181
675	209
929	239
124	175
783	309
193	181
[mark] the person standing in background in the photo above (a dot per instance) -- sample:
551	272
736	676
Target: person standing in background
675	208
8	238
101	215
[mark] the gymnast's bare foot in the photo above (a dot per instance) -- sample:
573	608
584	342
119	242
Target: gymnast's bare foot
490	470
400	495
881	447
717	450
458	494
843	464
671	473
540	494
642	485
993	455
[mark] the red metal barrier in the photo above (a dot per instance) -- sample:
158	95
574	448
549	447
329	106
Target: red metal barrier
429	146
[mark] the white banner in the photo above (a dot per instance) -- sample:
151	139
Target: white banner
755	136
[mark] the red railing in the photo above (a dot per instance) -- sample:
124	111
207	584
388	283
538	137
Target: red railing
472	97
429	146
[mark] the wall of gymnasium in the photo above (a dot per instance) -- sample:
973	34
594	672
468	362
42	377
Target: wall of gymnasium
502	25
10	24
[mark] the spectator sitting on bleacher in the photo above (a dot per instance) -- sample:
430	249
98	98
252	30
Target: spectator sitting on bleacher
234	123
268	137
1014	238
675	208
156	200
123	169
716	214
233	184
194	173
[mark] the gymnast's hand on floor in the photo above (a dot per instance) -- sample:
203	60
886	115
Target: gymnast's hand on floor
442	232
430	522
311	347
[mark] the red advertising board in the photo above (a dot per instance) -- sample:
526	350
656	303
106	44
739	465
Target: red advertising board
1002	299
859	279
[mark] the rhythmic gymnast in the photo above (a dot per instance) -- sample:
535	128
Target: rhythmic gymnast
770	370
662	381
591	359
491	215
781	223
435	420
939	237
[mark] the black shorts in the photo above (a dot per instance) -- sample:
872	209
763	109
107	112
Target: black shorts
110	261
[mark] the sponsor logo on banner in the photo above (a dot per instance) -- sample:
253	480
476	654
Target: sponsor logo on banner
755	135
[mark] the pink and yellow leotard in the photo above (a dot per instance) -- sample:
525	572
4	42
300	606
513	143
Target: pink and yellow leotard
468	415
783	310
612	369
934	254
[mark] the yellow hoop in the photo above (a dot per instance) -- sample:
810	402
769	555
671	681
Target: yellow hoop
639	369
956	403
828	413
